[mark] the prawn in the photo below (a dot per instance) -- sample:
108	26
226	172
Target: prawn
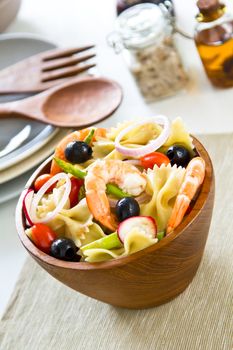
194	177
102	172
78	135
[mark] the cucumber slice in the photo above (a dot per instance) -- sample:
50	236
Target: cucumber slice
109	242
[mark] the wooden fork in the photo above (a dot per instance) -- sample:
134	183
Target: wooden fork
45	70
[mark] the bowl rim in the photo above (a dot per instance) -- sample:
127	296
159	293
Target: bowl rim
187	221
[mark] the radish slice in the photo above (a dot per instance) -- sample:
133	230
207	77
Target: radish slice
152	146
27	202
145	224
43	190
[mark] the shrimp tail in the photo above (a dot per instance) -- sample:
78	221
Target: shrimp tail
194	176
98	204
180	209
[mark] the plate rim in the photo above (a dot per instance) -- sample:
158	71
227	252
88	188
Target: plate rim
32	161
25	35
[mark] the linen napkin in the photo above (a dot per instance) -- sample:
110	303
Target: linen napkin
43	314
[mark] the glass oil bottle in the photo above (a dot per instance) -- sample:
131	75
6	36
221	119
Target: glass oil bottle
214	41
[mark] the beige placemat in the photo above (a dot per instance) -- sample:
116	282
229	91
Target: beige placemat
45	315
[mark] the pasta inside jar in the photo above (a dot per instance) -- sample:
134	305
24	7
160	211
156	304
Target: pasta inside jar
145	35
159	71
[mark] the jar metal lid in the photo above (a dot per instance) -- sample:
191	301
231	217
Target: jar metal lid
142	25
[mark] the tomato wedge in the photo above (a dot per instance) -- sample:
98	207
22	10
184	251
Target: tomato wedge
41	180
43	236
149	160
76	184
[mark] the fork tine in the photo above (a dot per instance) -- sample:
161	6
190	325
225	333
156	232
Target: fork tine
67	72
61	53
66	62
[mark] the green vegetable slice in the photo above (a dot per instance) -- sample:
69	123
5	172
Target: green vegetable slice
89	137
160	235
116	191
108	242
71	169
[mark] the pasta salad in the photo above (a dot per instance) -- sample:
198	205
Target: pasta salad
112	192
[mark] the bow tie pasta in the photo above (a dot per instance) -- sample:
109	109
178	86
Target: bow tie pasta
136	240
163	185
178	135
141	135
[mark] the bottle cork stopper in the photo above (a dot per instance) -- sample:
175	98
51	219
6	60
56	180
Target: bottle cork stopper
207	6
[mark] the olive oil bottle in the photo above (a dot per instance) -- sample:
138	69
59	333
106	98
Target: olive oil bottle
214	41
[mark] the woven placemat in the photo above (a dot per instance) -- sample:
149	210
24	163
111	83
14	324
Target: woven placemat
45	315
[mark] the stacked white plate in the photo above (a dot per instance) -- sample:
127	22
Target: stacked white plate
16	166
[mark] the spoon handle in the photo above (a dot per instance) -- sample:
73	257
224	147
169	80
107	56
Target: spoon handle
8	110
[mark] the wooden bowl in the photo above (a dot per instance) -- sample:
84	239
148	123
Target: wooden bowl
150	277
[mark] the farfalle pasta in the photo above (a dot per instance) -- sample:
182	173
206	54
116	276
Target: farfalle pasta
113	192
163	184
136	240
73	223
178	135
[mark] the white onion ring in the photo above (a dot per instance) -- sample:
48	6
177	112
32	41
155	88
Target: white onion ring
152	146
42	191
140	199
135	162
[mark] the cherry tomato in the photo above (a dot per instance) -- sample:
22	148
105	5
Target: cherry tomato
41	180
150	159
43	236
75	187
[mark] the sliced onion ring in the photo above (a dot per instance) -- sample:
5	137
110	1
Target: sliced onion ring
42	191
152	146
135	162
144	197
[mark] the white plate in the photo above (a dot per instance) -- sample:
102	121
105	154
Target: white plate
14	48
12	189
33	160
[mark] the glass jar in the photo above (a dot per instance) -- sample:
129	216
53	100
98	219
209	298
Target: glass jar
144	35
122	5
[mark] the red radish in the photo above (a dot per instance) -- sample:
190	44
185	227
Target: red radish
145	224
27	202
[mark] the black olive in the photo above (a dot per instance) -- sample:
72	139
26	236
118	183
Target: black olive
126	208
178	155
78	152
64	249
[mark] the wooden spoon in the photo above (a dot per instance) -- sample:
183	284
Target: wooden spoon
77	103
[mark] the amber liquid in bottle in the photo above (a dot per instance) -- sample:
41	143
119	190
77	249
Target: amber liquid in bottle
215	46
214	41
